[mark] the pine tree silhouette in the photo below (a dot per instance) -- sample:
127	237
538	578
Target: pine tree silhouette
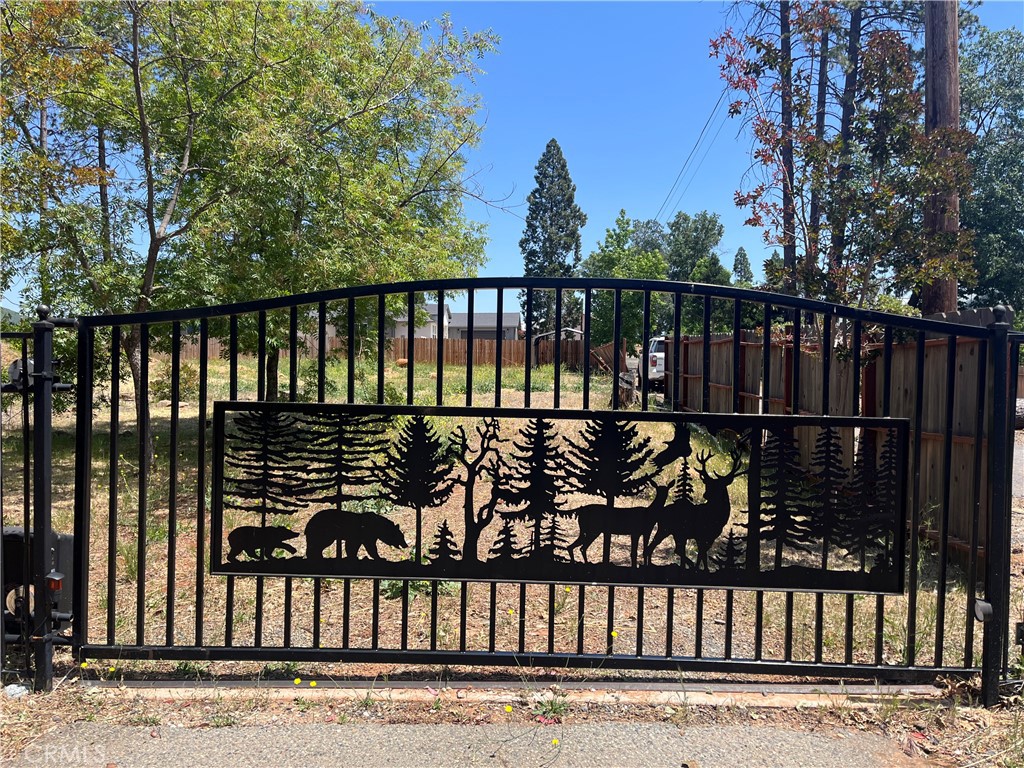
730	553
505	547
884	527
444	549
536	480
341	452
552	539
260	475
417	472
610	458
830	473
785	513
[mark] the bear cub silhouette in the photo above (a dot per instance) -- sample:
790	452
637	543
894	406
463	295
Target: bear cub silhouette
259	543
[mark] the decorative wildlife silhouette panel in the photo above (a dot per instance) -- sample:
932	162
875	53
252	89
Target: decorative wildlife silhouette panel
714	500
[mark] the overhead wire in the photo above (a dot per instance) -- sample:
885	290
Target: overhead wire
689	157
693	175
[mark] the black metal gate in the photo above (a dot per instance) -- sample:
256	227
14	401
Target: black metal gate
803	489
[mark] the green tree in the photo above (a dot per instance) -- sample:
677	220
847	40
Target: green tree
690	239
551	240
707	270
992	108
741	271
617	257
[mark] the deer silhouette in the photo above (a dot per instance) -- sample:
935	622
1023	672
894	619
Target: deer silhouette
701	523
635	522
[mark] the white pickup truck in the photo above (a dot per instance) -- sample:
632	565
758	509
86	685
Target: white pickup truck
656	363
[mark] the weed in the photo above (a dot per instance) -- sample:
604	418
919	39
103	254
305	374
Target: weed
194	669
552	708
223	720
303	705
284	670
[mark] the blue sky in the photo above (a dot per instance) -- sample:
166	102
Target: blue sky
625	88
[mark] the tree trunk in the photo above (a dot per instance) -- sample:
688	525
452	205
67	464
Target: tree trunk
131	343
105	239
788	209
811	257
942	112
471	541
272	367
839	215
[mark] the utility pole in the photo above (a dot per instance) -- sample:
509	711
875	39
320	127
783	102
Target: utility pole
942	112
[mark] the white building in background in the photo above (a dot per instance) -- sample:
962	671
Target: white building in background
430	329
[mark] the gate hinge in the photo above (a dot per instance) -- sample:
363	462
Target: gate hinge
1020	633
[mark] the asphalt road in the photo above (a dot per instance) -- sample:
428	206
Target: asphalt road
439	746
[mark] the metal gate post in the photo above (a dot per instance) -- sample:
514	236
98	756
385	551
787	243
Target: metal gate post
997	549
42	468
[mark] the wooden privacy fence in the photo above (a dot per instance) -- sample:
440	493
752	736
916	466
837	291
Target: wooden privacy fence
955	424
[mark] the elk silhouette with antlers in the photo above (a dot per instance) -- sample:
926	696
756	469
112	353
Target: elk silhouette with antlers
684	520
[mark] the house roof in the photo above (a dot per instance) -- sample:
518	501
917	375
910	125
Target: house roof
485	319
431	307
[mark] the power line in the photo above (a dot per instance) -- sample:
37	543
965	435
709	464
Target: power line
693	175
693	150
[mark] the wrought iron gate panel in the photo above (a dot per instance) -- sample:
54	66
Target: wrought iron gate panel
868	374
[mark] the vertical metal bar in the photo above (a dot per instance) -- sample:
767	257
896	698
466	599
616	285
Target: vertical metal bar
997	575
350	346
470	341
979	443
1008	450
410	354
787	641
766	362
581	606
229	597
346	612
83	486
705	371
375	616
698	625
522	617
317	600
204	340
915	507
27	451
826	406
463	612
433	615
405	613
42	531
855	374
670	616
610	622
143	427
493	613
640	621
645	351
728	623
587	300
886	411
498	342
261	356
440	348
617	349
947	469
737	352
758	625
381	330
558	347
677	331
293	354
551	618
321	352
172	482
528	374
115	478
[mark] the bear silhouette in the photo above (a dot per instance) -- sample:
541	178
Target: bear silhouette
353	529
259	543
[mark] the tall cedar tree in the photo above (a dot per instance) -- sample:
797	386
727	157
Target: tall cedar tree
417	472
742	274
785	509
828	468
340	451
444	549
551	241
536	479
259	476
611	459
